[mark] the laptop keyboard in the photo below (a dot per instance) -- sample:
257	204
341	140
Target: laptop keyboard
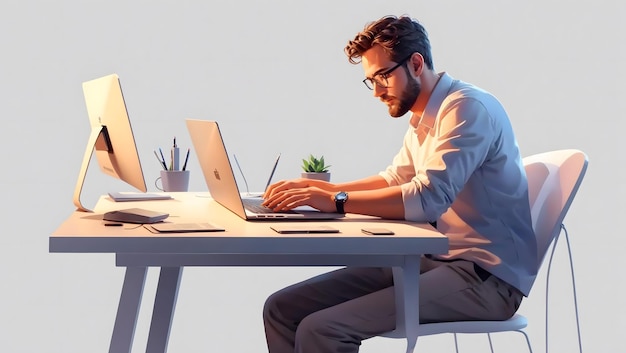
255	205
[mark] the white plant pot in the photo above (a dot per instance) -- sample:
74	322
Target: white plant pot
318	176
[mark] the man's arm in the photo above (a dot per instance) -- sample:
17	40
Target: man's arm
384	202
369	183
374	197
369	196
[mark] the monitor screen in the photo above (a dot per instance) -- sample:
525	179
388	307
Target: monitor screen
111	136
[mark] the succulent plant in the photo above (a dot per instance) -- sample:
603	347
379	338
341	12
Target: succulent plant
314	165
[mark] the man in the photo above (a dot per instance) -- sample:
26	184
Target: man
459	168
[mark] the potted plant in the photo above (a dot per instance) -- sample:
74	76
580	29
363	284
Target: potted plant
315	168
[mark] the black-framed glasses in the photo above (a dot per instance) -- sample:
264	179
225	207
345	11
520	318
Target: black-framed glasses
381	78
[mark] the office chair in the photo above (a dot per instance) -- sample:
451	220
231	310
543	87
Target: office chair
553	180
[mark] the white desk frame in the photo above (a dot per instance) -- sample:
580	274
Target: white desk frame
243	244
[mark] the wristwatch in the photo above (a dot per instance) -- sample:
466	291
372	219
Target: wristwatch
340	198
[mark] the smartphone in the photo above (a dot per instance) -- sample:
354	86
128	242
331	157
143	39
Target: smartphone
377	231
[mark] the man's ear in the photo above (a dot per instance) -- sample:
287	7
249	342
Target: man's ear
416	64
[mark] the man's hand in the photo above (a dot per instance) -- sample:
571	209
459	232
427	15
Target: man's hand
285	195
296	184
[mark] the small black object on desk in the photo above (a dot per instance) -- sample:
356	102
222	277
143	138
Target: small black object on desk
135	215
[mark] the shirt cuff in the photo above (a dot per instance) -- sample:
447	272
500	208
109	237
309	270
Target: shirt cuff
390	180
413	207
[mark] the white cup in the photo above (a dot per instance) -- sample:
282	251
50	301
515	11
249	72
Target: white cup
173	180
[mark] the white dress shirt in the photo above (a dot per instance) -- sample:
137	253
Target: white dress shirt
460	166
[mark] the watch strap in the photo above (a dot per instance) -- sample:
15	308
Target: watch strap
340	199
339	205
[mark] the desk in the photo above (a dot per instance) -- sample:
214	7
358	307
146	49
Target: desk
243	243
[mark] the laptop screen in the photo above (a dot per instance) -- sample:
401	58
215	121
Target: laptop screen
215	165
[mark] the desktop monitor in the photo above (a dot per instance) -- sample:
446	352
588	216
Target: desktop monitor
111	136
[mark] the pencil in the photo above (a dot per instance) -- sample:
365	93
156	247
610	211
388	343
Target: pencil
161	162
186	159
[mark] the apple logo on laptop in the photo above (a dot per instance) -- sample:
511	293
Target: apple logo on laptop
217	174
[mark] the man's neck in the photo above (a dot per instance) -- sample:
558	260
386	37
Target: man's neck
428	81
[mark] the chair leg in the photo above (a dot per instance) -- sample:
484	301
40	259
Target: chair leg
456	343
571	264
530	349
490	343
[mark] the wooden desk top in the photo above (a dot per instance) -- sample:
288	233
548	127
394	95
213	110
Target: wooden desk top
85	232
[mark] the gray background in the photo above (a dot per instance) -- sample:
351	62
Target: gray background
273	73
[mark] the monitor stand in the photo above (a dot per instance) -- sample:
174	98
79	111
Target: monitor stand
98	140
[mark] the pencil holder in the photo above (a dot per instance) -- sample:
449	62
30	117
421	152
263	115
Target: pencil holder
173	180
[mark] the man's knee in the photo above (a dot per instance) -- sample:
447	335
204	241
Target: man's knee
321	329
281	307
272	305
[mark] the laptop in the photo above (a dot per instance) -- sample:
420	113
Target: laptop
220	179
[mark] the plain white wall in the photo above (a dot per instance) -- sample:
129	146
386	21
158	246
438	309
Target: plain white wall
275	76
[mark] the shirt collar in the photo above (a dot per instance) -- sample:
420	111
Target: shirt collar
437	96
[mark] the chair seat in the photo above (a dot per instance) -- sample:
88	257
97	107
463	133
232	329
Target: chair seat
515	323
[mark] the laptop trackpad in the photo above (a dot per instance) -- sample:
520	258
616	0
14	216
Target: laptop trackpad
305	209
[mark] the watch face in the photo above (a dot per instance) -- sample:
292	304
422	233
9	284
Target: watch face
341	196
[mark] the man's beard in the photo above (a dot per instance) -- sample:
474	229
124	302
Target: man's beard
405	101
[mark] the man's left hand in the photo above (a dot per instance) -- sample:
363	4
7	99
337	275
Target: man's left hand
308	196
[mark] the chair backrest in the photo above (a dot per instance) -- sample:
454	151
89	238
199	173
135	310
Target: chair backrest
553	180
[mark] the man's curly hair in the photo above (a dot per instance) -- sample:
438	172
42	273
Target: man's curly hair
398	36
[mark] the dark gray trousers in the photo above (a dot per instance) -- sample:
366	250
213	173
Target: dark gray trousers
335	311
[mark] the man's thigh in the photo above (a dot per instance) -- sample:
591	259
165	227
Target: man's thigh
328	290
449	291
452	291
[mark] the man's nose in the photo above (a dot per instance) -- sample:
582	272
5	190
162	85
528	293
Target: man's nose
378	90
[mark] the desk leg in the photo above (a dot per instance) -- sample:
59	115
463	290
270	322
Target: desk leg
128	310
164	305
406	284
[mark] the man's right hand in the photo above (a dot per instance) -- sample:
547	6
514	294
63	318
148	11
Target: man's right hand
296	184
